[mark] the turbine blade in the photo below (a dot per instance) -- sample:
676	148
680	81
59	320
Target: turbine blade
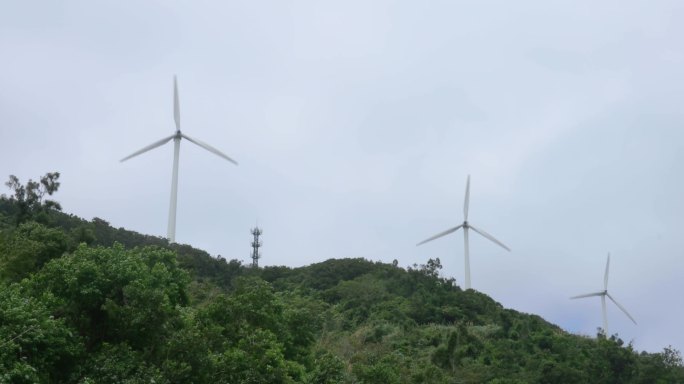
466	202
588	295
448	231
621	308
176	104
209	148
149	147
605	277
490	237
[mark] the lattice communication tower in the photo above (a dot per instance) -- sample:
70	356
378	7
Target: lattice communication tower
256	243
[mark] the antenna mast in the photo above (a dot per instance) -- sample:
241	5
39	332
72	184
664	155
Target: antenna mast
256	243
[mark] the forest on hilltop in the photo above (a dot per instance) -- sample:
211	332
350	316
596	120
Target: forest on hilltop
83	302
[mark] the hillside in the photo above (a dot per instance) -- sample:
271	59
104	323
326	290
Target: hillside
83	302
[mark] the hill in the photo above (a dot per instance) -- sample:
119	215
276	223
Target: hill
83	302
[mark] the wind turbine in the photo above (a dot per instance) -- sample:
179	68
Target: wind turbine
603	295
466	226
176	137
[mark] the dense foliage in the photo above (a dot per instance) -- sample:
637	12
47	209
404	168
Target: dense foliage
82	302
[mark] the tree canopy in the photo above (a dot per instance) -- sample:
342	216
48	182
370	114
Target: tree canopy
82	302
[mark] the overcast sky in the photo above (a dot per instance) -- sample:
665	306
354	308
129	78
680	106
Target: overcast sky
356	123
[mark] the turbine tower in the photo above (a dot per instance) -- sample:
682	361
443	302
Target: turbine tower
466	226
603	295
176	137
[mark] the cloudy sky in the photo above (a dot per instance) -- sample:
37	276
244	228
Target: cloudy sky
356	124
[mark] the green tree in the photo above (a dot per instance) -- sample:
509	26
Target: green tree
116	295
35	346
256	358
328	369
25	249
119	363
29	198
661	368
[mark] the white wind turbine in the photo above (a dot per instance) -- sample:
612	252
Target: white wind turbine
176	137
466	226
603	295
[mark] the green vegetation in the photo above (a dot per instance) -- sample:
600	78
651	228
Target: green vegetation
82	302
